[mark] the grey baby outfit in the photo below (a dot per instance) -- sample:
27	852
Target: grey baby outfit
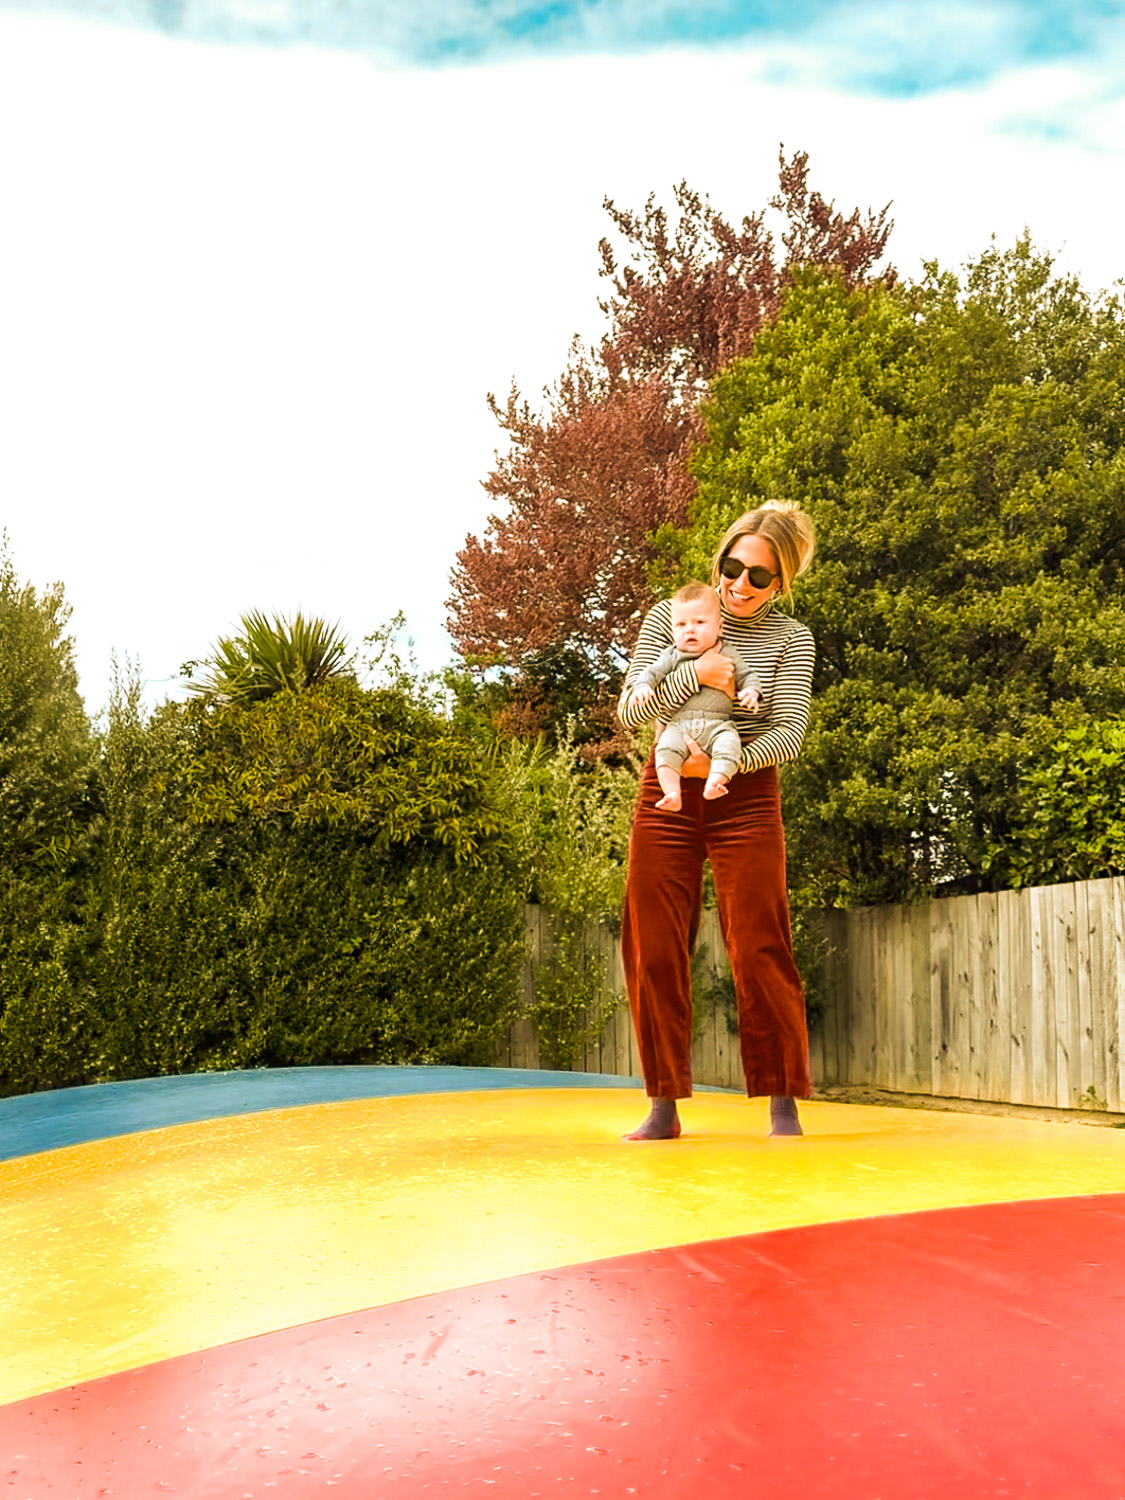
705	716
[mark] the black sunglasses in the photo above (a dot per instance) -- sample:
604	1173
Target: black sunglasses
731	568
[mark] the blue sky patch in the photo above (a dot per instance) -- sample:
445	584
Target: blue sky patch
895	48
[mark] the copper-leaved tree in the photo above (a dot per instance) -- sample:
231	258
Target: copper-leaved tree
554	591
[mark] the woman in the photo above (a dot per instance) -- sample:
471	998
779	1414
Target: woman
741	834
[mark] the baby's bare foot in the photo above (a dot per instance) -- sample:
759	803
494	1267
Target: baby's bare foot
671	802
716	787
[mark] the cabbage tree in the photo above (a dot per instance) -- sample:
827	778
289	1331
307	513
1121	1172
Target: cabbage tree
269	656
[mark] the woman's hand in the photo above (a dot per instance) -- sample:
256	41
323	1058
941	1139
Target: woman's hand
715	670
698	762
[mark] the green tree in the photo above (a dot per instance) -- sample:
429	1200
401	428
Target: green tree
47	803
46	745
959	445
549	599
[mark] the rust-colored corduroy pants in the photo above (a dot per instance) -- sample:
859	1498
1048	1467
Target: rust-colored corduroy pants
741	834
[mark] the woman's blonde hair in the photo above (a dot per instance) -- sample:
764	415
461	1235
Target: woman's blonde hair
786	527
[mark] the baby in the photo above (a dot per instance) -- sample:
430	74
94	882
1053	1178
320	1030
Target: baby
705	716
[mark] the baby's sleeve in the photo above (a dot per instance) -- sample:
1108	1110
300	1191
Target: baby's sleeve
654	643
744	673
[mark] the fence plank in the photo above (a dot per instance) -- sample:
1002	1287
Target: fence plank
1014	909
996	1058
631	1052
702	1065
1090	1033
1042	998
968	1007
595	956
524	1044
705	1056
600	1050
596	947
848	1010
834	976
587	942
623	1043
1068	1086
900	997
874	1059
728	1042
843	995
921	1068
1103	990
866	1059
860	1035
1115	1004
883	1010
848	993
822	1041
607	946
945	1061
870	1000
816	1052
611	1042
623	1020
897	1005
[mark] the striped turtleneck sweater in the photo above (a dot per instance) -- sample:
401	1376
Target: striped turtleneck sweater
779	649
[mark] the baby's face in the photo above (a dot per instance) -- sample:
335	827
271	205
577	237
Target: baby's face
696	624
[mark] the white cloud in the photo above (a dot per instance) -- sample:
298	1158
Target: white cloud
902	50
252	300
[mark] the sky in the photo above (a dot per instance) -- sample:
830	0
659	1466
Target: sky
262	261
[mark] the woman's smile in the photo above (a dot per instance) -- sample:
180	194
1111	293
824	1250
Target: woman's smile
739	595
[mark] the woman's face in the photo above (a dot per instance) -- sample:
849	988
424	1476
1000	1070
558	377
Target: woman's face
739	595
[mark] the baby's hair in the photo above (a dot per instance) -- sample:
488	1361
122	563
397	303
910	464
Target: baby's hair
693	591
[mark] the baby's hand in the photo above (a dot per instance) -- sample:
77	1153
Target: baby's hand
750	698
642	695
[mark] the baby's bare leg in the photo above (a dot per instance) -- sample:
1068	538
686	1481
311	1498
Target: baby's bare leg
726	747
669	779
671	750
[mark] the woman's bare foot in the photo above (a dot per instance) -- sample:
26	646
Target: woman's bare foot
716	787
670	802
784	1119
662	1124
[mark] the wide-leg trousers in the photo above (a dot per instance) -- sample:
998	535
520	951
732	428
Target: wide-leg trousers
742	835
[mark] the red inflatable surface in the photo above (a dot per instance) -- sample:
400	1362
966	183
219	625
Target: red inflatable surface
966	1352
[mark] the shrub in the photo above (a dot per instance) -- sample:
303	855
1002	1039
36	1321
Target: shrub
1071	819
573	820
231	914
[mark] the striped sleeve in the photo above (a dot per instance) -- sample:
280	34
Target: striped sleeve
782	738
778	649
677	687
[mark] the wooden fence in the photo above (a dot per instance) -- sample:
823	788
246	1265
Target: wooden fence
715	1057
1016	997
615	1051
